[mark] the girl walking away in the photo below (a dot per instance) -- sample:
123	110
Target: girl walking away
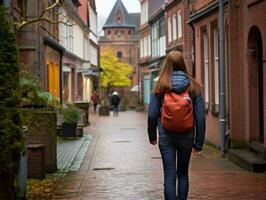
177	109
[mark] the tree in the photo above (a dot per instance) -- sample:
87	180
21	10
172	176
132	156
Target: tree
115	72
11	140
45	15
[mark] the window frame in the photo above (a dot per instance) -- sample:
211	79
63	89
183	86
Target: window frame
174	27
215	69
169	28
205	66
179	24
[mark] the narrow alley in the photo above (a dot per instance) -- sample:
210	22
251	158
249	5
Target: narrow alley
121	165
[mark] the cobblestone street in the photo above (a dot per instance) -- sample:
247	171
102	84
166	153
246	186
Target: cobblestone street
121	165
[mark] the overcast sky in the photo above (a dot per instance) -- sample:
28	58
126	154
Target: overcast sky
104	8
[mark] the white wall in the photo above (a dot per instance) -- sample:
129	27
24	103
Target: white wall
94	55
93	20
78	41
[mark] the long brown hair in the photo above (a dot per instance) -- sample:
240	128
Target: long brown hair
174	61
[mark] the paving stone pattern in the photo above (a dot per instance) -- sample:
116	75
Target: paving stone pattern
71	152
121	165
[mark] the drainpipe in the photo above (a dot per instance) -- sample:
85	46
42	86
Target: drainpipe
222	115
193	51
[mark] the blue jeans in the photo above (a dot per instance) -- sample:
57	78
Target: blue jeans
176	152
115	109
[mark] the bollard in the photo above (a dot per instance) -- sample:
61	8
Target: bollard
22	177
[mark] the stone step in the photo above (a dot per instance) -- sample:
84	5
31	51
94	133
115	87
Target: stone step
258	148
247	160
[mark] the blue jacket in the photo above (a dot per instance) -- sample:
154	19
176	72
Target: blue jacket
180	82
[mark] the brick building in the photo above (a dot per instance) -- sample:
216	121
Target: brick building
192	27
205	28
121	32
245	80
80	58
152	45
39	48
247	75
64	57
178	32
145	52
163	28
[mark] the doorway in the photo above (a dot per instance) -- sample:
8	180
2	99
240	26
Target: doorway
256	101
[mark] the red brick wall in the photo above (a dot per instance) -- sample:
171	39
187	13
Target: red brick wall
83	10
36	166
200	4
243	77
186	40
212	119
113	34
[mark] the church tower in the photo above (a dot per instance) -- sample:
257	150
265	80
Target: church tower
121	32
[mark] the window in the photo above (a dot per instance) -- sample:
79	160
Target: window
18	3
149	45
144	12
158	38
216	67
119	54
119	19
169	30
162	28
174	26
206	66
145	46
180	25
108	32
69	38
155	38
141	48
129	32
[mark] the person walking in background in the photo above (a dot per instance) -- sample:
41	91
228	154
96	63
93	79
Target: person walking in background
177	109
95	100
115	100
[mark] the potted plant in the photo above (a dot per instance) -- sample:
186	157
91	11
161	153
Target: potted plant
70	121
104	109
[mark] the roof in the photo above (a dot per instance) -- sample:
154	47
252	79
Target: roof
129	20
135	18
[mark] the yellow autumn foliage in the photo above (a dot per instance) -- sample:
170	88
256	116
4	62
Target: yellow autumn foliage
115	71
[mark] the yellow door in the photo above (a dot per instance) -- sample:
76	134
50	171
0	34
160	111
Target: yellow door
51	78
54	79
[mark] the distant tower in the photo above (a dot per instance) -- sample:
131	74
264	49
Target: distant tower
121	32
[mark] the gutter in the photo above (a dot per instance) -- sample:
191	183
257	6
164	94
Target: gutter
222	115
205	11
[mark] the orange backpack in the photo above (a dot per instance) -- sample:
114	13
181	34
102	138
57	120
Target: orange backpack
177	112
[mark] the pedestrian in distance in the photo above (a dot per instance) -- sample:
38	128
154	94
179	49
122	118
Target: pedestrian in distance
115	100
177	110
95	100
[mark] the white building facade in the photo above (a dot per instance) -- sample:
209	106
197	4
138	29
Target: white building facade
80	59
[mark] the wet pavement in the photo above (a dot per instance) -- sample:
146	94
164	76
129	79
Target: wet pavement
71	152
121	165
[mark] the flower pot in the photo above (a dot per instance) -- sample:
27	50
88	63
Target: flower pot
69	129
104	111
